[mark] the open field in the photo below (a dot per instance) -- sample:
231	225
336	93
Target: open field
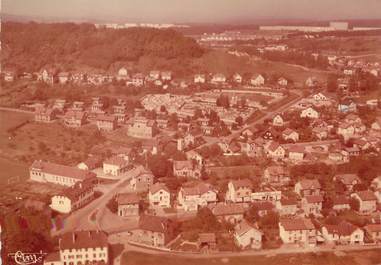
12	171
52	142
368	257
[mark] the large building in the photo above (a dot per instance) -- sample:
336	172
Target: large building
81	247
47	172
142	128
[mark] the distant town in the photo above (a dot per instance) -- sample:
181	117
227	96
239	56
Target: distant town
276	152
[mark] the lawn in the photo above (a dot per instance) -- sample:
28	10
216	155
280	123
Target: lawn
353	258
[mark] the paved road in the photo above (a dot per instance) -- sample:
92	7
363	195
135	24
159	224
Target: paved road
81	219
16	110
267	252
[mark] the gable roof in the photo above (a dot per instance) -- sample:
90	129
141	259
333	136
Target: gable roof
309	184
127	198
228	209
154	223
83	239
157	187
241	183
366	195
61	170
314	199
199	189
343	228
297	224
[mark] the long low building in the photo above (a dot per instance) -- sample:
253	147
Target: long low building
47	172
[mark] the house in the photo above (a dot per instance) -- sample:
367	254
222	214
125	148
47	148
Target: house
278	120
376	183
307	187
309	113
320	97
153	231
257	80
289	134
48	76
185	142
376	125
298	230
276	175
263	208
137	80
231	212
373	231
74	197
186	169
237	78
122	74
346	130
312	204
207	242
320	133
246	236
218	78
74	119
119	112
142	182
128	204
154	75
282	81
287	207
115	166
194	197
166	75
142	128
9	76
239	191
266	196
47	172
296	153
45	114
81	247
106	122
340	203
311	82
348	180
199	79
367	201
63	78
97	105
343	233
275	151
92	162
159	196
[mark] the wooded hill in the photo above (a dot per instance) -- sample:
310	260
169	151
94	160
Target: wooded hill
31	46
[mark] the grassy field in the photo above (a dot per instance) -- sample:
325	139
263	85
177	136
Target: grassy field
12	171
352	258
52	142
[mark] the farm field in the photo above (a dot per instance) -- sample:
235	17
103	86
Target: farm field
370	257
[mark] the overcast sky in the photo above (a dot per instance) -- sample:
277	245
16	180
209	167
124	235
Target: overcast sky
195	10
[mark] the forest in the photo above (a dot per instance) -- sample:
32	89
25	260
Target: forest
31	46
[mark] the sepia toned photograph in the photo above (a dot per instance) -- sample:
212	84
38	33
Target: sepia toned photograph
190	132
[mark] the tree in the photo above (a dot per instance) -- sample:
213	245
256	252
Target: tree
223	101
332	83
354	204
112	205
239	121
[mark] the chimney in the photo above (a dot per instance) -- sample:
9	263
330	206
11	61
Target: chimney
74	237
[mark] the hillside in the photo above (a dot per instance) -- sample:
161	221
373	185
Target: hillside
69	46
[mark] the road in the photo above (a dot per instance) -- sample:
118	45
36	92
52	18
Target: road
81	219
264	252
16	110
268	115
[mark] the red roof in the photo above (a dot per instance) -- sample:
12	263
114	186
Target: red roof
199	189
154	223
297	224
373	227
157	187
340	200
308	184
116	161
108	118
180	165
314	199
127	198
241	183
344	228
61	170
366	195
83	239
228	209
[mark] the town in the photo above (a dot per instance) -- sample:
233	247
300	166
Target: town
199	163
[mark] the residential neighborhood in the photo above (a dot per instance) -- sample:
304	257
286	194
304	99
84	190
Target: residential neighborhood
203	141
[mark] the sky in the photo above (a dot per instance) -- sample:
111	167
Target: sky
196	11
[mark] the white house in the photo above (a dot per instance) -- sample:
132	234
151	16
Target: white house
247	236
343	233
309	113
257	80
115	165
239	191
159	196
278	120
298	230
199	79
80	247
193	197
